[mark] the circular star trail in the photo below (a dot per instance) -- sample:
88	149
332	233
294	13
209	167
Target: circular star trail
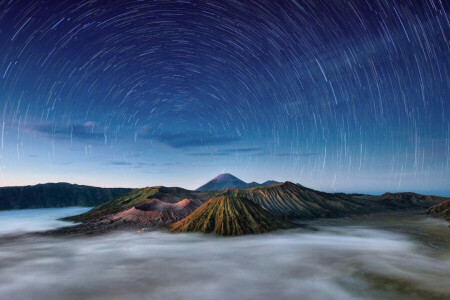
337	95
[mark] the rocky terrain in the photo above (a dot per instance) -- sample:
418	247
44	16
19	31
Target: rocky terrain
294	202
230	216
142	198
153	207
441	210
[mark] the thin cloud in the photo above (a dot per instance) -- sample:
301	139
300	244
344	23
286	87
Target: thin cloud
228	152
190	139
78	131
306	154
120	163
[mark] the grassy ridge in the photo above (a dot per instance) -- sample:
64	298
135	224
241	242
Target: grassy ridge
135	197
230	216
140	196
286	200
291	201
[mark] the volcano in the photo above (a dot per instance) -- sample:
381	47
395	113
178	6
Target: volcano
226	181
222	182
230	216
152	207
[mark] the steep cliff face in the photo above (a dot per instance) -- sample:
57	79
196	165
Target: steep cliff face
56	195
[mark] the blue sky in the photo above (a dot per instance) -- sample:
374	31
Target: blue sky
345	96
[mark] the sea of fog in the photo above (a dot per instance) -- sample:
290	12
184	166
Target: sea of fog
29	220
377	257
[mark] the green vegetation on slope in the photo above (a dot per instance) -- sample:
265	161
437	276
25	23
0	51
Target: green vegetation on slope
286	200
135	197
140	196
291	201
230	216
56	195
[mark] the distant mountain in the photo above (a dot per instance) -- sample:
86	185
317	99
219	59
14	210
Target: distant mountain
287	200
440	210
270	182
222	182
227	181
56	195
230	216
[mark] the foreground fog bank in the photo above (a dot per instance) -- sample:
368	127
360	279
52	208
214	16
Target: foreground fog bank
28	220
335	262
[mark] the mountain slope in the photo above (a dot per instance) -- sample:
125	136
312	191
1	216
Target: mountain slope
294	202
230	216
440	210
141	200
152	213
222	182
286	200
227	181
56	195
291	201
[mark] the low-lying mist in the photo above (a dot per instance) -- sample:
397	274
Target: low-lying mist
334	262
29	220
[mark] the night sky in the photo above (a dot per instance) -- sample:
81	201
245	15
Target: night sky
341	96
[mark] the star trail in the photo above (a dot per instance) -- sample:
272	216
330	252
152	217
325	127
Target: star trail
340	96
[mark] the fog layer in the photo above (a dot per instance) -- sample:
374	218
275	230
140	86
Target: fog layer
28	220
334	262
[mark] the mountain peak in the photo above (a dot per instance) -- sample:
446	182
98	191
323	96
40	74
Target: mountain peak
226	181
222	182
289	184
225	176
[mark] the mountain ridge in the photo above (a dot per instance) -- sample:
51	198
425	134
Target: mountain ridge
60	194
228	181
440	210
230	216
285	200
138	197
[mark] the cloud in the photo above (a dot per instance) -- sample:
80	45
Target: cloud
242	150
120	163
191	139
301	263
209	154
195	140
80	131
228	152
306	154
